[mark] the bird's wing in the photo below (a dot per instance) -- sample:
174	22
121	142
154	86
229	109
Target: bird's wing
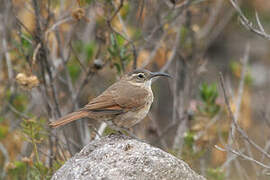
117	99
103	103
131	96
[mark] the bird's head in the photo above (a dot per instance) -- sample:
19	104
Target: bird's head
143	77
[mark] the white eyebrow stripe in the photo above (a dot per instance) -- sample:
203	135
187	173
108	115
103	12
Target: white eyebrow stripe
137	74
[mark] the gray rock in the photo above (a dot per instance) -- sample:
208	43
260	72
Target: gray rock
118	157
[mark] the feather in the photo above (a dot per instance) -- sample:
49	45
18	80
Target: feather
69	118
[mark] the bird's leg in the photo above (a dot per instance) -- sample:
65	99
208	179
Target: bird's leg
120	129
94	129
132	134
113	127
128	132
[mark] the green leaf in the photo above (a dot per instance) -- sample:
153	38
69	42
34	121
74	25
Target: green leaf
248	79
111	51
33	130
137	34
109	131
125	10
234	66
43	170
183	34
120	40
25	38
113	41
19	171
127	57
74	70
122	52
18	101
189	139
78	46
209	94
89	50
215	174
1	119
3	131
118	68
88	1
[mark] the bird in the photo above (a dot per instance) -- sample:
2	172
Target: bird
122	105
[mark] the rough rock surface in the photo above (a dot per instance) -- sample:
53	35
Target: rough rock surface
117	157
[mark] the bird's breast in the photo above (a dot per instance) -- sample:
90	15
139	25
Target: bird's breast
133	117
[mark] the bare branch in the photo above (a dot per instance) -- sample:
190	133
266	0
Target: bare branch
240	154
117	10
240	94
35	53
240	130
8	59
4	152
109	22
259	22
172	56
248	24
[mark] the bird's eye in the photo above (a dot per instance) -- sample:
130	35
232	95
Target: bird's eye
140	76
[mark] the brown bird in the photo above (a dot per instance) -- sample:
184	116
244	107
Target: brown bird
122	105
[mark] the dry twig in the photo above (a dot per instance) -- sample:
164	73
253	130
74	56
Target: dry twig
248	24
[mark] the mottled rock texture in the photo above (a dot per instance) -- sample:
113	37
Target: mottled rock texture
117	157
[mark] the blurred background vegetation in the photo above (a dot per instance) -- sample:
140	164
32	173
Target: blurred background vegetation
55	55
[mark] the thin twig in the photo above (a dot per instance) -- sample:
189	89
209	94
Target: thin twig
129	42
109	23
13	109
55	25
210	25
242	132
77	58
172	56
8	59
90	73
248	25
240	94
35	54
21	24
4	152
240	154
154	51
169	21
208	125
117	10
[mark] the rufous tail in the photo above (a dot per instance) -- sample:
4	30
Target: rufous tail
68	118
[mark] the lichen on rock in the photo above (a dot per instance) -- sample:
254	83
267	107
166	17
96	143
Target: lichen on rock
118	157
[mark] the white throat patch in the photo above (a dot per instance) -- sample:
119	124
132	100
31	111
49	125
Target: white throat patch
147	84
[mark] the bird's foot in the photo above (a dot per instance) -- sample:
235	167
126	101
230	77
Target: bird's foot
124	131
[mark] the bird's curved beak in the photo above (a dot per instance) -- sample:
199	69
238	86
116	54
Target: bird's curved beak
155	74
